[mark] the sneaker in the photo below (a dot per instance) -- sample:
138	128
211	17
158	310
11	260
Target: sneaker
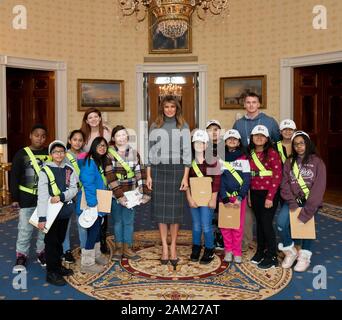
258	257
303	261
268	262
20	263
238	259
219	245
55	278
195	254
208	256
65	272
228	257
41	259
68	257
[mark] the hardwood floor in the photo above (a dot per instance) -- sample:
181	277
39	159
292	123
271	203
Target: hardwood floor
333	196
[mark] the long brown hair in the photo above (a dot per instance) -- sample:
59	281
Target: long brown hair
85	128
179	117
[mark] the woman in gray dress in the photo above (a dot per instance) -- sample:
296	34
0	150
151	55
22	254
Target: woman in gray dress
168	172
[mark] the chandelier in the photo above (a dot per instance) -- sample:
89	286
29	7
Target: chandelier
173	16
170	86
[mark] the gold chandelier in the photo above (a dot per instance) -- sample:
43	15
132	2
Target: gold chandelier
173	16
170	86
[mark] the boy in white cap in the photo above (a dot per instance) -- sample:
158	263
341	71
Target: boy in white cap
287	128
57	182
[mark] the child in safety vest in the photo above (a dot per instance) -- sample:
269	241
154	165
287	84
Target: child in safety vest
57	183
124	173
303	186
74	148
287	128
26	166
235	182
266	173
202	215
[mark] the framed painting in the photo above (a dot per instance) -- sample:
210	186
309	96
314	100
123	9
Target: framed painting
158	43
105	95
233	91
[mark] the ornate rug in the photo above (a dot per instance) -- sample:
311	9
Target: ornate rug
147	279
8	213
331	211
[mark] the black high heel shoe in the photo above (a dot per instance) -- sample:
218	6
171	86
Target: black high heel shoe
164	261
174	263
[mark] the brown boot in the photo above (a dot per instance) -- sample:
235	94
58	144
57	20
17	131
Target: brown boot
129	253
117	255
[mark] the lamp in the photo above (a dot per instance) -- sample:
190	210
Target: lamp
173	16
170	86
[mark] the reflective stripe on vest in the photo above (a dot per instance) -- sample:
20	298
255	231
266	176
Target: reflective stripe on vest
36	168
52	181
130	172
74	164
235	175
196	169
103	176
262	170
300	180
281	151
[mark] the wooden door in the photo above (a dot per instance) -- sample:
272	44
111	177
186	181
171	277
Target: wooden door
318	111
30	100
187	101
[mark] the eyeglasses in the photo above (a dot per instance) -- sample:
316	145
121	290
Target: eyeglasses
58	152
302	143
102	145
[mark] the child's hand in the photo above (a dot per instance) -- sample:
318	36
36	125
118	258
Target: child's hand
149	183
237	203
212	204
41	225
192	204
55	199
268	204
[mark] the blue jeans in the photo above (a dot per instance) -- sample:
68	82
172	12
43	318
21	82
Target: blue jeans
25	230
93	234
123	219
284	230
82	234
202	221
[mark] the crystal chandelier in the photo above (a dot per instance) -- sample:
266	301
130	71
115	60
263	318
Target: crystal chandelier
173	16
170	86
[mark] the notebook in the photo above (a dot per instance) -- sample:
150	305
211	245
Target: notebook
300	230
229	217
201	190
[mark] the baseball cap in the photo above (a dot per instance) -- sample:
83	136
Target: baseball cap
287	124
260	129
56	142
232	133
88	217
299	133
215	122
200	135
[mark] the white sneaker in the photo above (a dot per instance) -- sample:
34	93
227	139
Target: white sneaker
303	261
238	259
291	255
228	257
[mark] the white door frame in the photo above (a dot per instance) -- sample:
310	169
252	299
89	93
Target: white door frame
61	102
201	69
286	76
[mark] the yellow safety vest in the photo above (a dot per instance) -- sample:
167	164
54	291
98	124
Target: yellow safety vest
74	164
52	181
196	169
130	172
300	180
281	151
235	175
36	168
103	176
262	170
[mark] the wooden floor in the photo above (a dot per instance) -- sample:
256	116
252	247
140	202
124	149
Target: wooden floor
333	196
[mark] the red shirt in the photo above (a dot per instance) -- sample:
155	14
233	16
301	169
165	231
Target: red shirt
271	183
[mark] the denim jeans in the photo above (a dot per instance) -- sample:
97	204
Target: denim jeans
82	234
123	220
284	230
93	234
25	230
202	221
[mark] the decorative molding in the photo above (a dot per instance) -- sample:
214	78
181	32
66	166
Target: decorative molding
171	59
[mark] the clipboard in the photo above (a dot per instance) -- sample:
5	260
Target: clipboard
51	215
104	200
301	230
229	218
201	190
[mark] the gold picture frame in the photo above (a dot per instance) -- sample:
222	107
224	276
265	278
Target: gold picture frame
234	89
104	95
158	43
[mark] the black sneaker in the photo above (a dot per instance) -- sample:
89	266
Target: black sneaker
268	262
195	254
208	256
219	245
258	257
68	257
41	259
20	263
55	278
65	272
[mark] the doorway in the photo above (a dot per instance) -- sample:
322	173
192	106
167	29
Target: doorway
318	111
30	100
